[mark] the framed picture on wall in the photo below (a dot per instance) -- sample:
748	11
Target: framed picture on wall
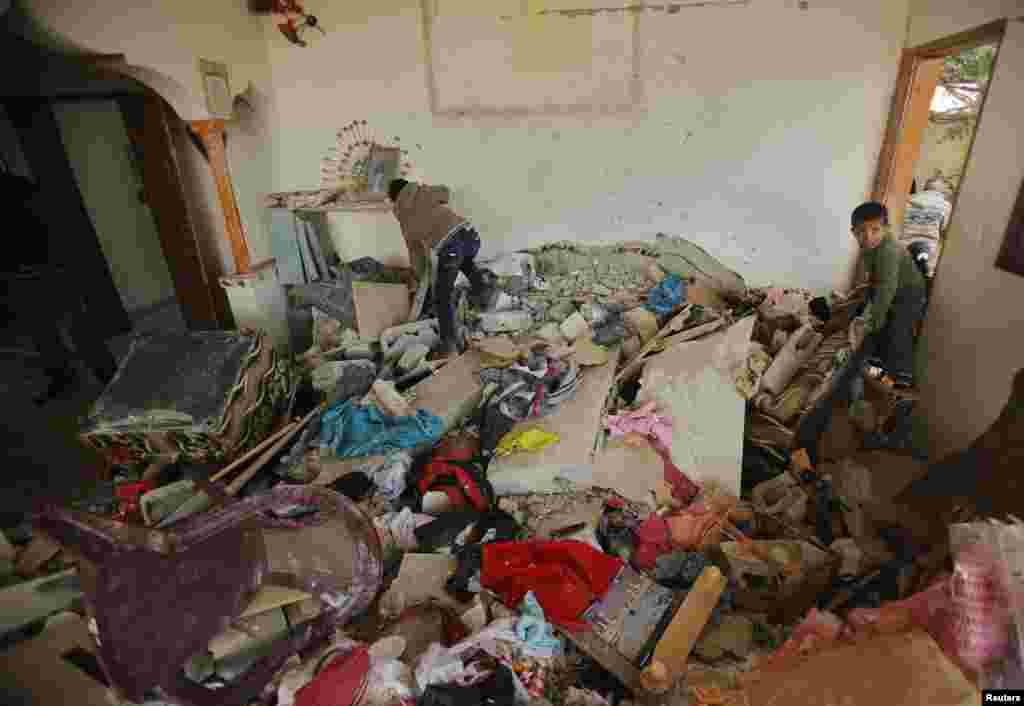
382	167
1011	257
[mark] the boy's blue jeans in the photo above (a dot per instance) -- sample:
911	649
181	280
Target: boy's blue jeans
893	346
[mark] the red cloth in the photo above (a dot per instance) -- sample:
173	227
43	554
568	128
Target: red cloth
565	576
652	540
341	683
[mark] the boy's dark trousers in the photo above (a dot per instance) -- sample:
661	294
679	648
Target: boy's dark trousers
893	346
455	254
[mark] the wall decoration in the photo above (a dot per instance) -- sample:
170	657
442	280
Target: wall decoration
352	156
296	22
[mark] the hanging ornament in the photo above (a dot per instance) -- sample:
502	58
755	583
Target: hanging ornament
296	22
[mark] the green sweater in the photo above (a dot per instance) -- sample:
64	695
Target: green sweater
889	269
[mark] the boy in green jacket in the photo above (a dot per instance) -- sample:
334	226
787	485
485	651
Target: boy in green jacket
896	298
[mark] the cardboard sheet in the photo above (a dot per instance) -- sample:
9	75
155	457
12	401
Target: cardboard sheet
907	668
37	672
692	384
577	422
453	391
379	307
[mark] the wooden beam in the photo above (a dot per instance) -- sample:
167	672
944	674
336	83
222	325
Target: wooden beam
886	159
211	132
911	134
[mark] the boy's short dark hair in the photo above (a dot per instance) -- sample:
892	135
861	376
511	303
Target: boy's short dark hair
395	188
869	211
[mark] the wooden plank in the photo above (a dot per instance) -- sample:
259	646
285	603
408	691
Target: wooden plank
211	132
707	412
379	307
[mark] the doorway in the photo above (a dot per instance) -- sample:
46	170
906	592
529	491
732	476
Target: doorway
939	97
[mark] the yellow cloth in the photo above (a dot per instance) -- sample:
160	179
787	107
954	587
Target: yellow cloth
526	440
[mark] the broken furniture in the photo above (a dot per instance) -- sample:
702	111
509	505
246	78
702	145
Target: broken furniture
194	397
159	598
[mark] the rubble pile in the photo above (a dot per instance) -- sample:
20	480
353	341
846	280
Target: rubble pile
621	492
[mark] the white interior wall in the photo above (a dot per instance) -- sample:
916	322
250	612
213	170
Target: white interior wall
98	149
756	127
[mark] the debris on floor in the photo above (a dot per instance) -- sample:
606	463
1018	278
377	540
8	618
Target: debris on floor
641	482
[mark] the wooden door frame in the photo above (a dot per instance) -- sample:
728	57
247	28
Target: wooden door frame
910	60
196	280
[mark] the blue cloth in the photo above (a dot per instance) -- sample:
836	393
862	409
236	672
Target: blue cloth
535	632
350	429
666	296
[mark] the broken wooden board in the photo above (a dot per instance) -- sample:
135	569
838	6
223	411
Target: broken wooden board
379	307
577	422
453	392
38	670
905	668
690	385
271	597
39	551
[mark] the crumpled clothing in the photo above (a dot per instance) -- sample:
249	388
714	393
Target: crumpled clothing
399	528
535	632
695	527
652	540
533	439
666	296
565	576
534	389
390	476
643	420
352	430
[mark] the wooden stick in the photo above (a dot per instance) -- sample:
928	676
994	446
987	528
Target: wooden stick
251	453
252	470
